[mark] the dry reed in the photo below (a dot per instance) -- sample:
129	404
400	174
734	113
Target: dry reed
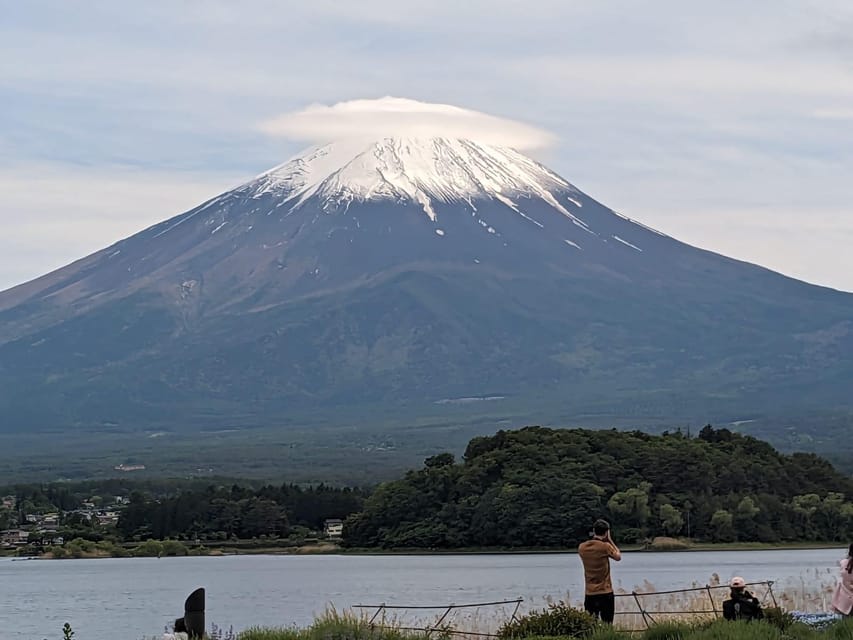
809	592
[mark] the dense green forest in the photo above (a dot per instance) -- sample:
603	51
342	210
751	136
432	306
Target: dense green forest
530	488
236	512
539	487
176	509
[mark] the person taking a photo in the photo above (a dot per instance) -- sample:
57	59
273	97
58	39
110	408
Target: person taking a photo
596	555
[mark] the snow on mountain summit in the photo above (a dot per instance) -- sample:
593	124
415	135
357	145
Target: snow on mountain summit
460	186
421	170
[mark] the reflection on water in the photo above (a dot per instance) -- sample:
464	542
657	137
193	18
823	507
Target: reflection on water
144	594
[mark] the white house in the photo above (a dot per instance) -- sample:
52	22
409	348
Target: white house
50	520
14	537
333	528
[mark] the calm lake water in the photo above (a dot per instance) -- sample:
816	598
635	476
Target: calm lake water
130	599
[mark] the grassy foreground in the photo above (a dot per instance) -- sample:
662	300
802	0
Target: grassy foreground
723	630
333	626
558	621
719	630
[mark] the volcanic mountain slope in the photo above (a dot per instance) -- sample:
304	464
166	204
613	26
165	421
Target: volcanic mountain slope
403	273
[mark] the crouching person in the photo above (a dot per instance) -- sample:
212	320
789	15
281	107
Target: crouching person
741	605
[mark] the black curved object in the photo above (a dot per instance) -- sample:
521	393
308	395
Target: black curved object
193	621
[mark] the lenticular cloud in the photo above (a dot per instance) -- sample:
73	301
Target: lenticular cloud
400	117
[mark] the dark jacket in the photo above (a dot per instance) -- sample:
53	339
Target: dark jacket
742	605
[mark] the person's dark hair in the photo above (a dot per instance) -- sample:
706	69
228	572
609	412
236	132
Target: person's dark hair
850	559
600	527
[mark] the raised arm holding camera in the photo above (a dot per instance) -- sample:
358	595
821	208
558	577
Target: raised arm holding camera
595	555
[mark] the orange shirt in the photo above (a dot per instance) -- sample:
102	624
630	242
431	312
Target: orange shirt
595	555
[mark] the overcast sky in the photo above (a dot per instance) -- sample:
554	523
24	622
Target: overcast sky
728	125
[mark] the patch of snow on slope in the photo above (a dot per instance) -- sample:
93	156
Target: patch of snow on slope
515	208
626	243
640	224
426	203
187	216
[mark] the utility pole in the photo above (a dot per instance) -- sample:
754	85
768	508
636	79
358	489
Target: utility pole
687	507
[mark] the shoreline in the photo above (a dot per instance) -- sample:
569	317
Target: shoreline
696	548
337	550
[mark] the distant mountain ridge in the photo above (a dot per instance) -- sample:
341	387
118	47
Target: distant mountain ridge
395	274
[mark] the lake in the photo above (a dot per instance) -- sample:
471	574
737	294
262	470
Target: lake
134	598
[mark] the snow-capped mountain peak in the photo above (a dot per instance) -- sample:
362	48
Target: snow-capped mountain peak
422	170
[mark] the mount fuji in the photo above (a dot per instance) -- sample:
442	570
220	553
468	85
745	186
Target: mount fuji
406	276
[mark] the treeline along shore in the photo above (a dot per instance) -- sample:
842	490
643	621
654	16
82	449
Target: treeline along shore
533	488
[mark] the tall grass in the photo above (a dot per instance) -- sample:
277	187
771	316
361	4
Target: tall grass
346	627
676	616
333	625
723	630
810	592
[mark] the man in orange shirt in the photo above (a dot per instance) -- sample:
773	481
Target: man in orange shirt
595	555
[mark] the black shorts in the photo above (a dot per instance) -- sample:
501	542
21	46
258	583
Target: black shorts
602	606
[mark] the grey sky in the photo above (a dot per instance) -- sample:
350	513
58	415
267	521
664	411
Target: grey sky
726	124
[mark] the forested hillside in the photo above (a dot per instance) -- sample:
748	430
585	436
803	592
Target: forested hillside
540	487
134	511
531	488
235	512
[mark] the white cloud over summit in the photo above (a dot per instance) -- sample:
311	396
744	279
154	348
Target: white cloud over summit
401	117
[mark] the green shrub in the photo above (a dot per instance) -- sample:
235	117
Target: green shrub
335	626
86	546
76	548
259	633
663	543
669	631
174	548
557	620
114	550
800	631
778	617
740	630
607	632
148	549
632	535
842	630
